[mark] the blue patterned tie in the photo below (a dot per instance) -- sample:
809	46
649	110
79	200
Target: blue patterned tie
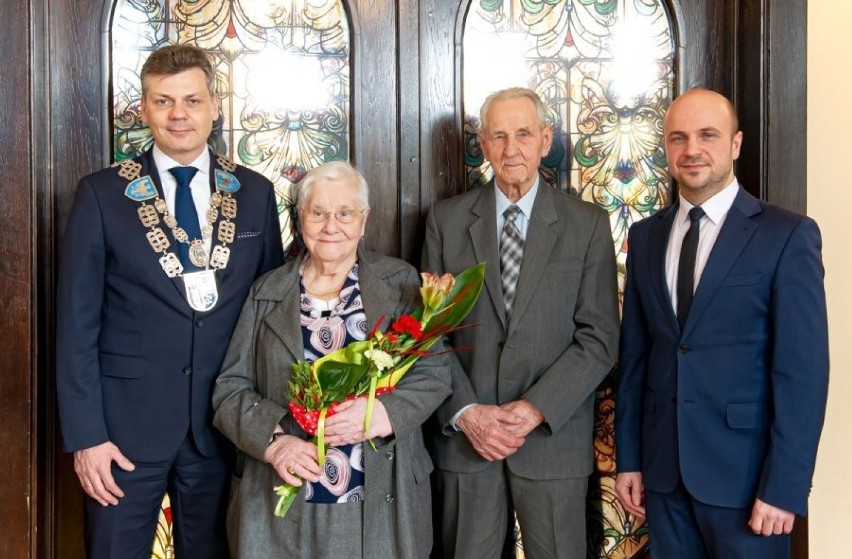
511	254
185	214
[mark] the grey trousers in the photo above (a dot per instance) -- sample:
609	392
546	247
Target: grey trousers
476	514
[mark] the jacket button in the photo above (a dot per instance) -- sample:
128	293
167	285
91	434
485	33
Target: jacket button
199	322
683	348
187	370
389	498
389	455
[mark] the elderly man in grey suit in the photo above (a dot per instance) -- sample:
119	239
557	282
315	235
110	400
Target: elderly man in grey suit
517	431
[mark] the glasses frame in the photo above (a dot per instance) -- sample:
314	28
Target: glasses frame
308	215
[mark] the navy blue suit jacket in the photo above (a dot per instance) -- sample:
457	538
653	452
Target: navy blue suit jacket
135	364
734	403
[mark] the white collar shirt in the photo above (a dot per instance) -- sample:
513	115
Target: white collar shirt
715	211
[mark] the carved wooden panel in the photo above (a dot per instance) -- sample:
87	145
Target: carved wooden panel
18	489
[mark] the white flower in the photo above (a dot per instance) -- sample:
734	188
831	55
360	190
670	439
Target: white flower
380	359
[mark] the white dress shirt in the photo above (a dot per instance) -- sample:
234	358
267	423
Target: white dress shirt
715	212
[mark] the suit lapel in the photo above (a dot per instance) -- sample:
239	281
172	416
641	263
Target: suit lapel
150	168
537	248
284	319
733	237
483	236
377	296
658	242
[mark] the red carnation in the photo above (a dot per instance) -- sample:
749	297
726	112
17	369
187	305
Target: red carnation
407	324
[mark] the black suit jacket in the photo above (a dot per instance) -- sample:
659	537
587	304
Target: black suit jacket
135	364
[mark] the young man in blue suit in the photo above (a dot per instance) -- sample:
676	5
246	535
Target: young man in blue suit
724	355
158	256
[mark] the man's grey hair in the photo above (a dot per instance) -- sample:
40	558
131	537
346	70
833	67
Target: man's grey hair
512	93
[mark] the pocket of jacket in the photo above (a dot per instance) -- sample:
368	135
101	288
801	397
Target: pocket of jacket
246	239
122	366
422	466
745	416
741	280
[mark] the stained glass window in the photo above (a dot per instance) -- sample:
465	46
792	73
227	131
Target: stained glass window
282	71
605	71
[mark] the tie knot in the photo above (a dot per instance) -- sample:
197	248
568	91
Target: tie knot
183	175
511	213
696	214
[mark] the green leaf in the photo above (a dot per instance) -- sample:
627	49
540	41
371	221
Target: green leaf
337	378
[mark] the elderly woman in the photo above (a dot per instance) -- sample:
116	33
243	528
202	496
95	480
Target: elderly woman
363	503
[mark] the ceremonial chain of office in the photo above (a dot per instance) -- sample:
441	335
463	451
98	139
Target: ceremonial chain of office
141	189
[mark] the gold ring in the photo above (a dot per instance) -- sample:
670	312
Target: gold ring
292	468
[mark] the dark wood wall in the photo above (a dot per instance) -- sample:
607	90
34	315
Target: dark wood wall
18	488
406	138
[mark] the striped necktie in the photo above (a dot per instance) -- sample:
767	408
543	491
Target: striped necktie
511	255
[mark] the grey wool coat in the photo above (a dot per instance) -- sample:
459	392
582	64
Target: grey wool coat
250	400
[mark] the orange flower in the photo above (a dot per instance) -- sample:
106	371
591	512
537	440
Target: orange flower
435	288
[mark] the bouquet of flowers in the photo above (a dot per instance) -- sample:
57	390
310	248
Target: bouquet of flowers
375	365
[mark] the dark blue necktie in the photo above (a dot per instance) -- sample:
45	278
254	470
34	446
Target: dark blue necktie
686	265
185	214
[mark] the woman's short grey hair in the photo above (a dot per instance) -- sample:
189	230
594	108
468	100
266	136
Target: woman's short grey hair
512	93
333	171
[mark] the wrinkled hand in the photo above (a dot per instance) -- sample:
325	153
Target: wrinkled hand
293	459
527	411
767	520
491	430
94	470
346	426
631	492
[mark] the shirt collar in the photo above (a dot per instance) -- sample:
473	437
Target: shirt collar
525	203
715	208
164	162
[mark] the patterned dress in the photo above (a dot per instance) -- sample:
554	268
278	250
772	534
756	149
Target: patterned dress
326	327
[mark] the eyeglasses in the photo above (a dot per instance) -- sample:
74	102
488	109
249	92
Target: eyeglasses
344	216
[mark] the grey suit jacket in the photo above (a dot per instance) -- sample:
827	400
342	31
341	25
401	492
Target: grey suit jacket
562	337
250	400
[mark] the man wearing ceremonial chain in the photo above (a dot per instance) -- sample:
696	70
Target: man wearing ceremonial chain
157	258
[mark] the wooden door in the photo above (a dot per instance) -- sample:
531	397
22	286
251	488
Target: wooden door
407	137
